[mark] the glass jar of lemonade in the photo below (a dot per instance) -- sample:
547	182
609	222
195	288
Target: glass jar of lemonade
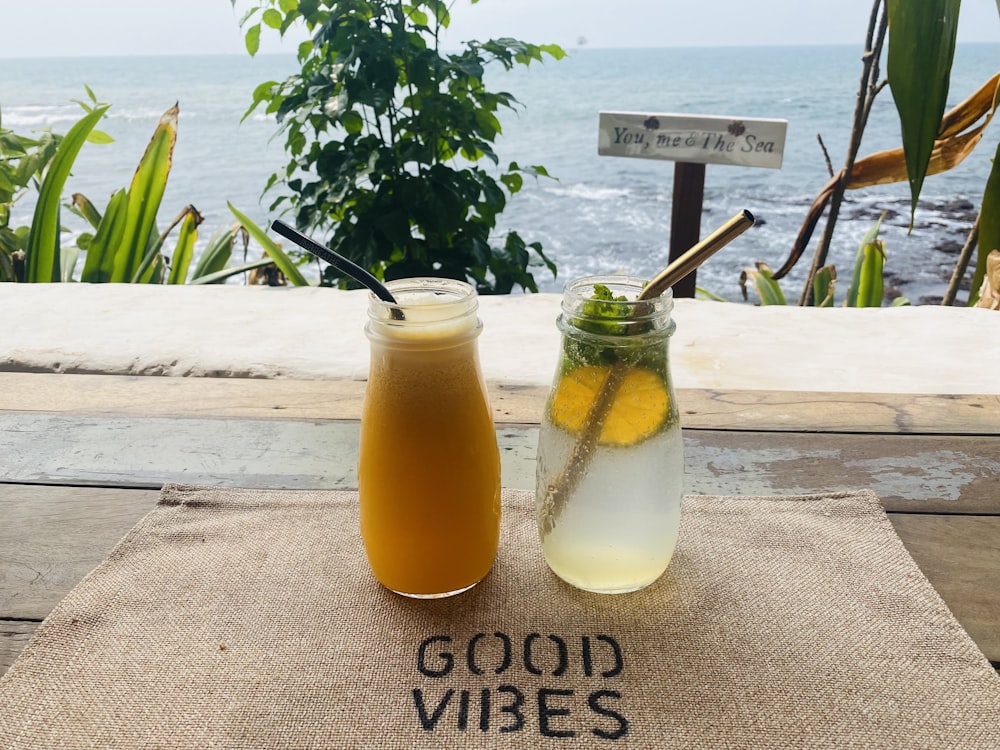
429	466
610	469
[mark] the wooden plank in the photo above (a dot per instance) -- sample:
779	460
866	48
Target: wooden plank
960	555
925	473
136	453
146	396
52	537
14	636
937	474
138	396
801	411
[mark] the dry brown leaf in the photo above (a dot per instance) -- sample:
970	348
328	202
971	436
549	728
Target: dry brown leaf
969	112
989	293
955	142
886	167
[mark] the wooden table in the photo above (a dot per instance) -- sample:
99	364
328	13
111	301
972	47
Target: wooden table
82	458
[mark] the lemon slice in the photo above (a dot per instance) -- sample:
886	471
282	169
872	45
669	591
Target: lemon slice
640	407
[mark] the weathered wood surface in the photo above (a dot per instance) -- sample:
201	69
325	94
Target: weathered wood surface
929	473
960	555
14	636
50	538
138	396
925	473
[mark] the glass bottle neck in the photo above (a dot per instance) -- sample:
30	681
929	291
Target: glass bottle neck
609	307
428	313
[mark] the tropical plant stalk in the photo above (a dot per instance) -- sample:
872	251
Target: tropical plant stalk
867	91
962	264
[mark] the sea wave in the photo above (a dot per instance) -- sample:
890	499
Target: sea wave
39	117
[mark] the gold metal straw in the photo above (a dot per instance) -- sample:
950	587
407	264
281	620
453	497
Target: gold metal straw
698	254
557	493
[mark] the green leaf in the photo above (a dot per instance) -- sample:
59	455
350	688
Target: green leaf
765	285
83	240
216	254
558	53
146	273
100	260
217	277
156	271
252	39
417	16
274	252
272	18
82	206
867	283
144	196
184	249
921	48
100	137
67	262
43	244
989	227
823	286
702	293
512	181
353	122
439	9
768	289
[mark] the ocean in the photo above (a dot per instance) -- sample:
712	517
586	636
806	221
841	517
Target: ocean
598	214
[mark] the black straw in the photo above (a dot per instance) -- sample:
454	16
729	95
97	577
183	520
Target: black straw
339	262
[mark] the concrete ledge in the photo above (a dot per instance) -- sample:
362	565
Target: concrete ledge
311	333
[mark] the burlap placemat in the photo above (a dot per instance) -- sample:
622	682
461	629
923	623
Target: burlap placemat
248	619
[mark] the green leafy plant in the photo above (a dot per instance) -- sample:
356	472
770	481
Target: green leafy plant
921	39
124	244
126	247
386	134
41	164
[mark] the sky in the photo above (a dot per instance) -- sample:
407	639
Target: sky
73	28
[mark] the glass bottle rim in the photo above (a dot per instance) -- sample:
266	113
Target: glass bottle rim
645	314
433	310
437	298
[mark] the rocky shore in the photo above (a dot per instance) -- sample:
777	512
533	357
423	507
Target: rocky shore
920	262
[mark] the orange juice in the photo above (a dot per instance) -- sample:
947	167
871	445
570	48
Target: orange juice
429	466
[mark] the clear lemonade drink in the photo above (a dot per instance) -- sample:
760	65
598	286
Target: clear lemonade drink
429	466
610	467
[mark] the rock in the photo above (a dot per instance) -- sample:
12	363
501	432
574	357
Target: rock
951	247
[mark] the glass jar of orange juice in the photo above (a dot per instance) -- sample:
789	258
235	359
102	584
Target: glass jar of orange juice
610	470
429	465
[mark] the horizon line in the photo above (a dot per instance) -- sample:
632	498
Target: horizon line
567	48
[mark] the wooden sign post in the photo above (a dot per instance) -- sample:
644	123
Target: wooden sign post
691	142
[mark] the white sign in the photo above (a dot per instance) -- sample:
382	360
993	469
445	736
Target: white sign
693	138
